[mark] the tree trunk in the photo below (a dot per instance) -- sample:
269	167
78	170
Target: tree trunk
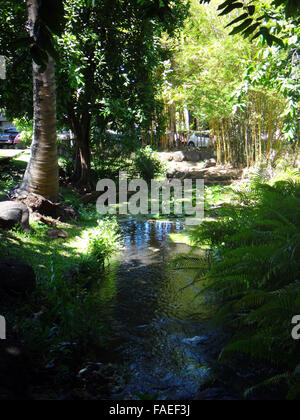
186	119
82	168
41	175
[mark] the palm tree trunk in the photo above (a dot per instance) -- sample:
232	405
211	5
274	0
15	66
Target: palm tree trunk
41	175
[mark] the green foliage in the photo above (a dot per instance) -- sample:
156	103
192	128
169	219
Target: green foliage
255	15
61	323
106	64
114	154
16	90
26	127
147	164
109	69
254	275
247	93
103	242
206	67
277	68
69	322
39	46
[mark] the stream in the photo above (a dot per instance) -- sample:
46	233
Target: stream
154	315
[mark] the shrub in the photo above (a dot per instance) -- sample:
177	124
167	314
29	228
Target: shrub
112	154
26	127
104	242
67	329
254	277
67	165
147	164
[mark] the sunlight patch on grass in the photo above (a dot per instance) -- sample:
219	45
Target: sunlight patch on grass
9	153
24	158
180	238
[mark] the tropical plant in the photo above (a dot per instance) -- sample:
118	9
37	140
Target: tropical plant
253	15
221	80
41	175
147	164
277	69
253	277
26	128
104	242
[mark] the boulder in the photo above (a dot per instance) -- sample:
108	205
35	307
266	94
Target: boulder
211	164
44	207
178	157
12	213
90	197
195	174
57	233
207	154
192	156
16	277
175	174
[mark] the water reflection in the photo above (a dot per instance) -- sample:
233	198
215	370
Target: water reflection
152	315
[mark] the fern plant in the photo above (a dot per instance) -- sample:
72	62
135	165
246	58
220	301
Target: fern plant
254	277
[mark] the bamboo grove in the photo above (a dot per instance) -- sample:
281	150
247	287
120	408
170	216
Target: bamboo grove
253	133
246	93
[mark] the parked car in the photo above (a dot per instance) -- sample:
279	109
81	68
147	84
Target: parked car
64	135
7	136
12	131
17	141
200	139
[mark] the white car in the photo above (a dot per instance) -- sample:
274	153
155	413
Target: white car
200	139
64	135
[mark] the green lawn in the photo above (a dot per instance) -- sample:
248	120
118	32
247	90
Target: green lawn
45	254
37	248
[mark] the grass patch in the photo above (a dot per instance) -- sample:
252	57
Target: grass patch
60	324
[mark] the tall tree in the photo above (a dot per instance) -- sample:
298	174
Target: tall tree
107	68
45	17
41	176
108	56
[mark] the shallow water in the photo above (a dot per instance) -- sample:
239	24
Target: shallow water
157	327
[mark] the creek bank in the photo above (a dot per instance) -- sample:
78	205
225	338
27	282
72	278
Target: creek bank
211	173
160	344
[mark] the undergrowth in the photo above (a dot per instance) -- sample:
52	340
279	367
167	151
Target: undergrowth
61	323
252	277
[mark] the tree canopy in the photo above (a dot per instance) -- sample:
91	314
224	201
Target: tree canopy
253	17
